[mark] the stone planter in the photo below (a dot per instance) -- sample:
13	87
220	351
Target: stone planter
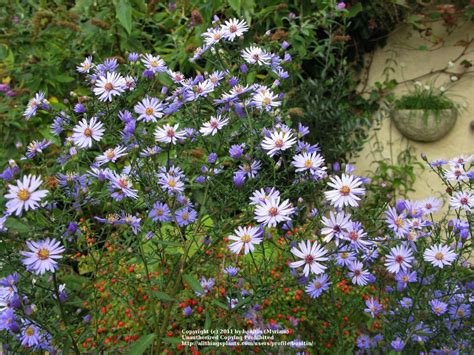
421	127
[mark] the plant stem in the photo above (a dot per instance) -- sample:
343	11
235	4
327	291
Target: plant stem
63	314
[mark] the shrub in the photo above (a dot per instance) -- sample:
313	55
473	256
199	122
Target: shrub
162	204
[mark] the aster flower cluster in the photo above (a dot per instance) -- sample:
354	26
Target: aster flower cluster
207	183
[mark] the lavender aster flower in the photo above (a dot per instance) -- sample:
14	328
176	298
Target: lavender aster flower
42	255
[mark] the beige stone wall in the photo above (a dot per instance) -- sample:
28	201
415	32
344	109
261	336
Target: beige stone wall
411	63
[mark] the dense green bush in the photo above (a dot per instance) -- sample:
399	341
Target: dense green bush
40	40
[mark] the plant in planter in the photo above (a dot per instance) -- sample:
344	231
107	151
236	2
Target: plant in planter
425	114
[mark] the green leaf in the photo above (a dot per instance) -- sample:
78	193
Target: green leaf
235	5
62	78
141	345
195	285
82	6
164	296
16	225
174	340
220	304
354	11
123	10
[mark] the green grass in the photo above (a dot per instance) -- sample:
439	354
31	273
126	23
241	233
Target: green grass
424	101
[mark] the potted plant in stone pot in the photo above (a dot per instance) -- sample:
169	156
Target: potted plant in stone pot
425	114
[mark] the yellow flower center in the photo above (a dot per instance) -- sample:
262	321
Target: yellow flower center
267	101
110	153
29	331
345	190
88	132
149	111
279	143
317	285
23	194
172	183
308	163
439	256
43	254
245	238
153	63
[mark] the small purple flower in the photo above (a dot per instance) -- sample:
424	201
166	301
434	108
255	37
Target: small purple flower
212	158
8	321
30	335
243	68
185	216
231	271
397	345
461	311
133	57
188	311
341	6
373	307
148	74
363	341
239	179
236	151
79	108
285	45
160	212
233	81
438	307
318	285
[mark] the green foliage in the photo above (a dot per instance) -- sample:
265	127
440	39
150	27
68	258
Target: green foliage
425	100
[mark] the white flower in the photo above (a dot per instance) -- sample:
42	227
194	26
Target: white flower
213	125
461	199
213	35
234	28
400	258
271	212
85	132
346	191
261	196
278	141
24	196
130	82
177	77
256	55
85	66
311	256
456	172
357	273
108	86
245	237
34	103
170	183
439	255
335	226
265	99
153	63
169	134
149	109
111	155
311	162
